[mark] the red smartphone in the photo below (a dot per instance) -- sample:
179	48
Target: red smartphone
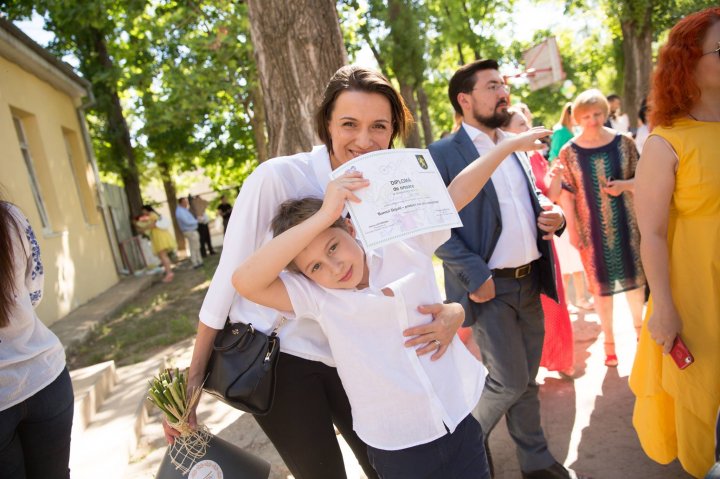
681	354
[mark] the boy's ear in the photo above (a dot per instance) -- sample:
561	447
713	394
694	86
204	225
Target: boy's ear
349	226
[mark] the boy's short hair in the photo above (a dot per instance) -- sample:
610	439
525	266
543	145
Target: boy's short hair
293	212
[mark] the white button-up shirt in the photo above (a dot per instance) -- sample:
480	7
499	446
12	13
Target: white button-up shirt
517	244
274	181
398	399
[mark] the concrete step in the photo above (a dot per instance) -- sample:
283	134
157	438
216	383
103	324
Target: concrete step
91	386
104	448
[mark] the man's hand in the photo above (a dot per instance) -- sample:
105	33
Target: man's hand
436	335
550	220
485	292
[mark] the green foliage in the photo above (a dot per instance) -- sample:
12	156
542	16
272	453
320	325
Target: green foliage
584	59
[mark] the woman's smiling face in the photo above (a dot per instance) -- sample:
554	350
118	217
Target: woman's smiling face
360	123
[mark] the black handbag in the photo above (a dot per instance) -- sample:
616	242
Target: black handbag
241	369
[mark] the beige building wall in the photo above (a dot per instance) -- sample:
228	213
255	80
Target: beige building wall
75	248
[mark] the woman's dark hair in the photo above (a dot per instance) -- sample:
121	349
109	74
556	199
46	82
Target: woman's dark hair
355	78
463	80
150	209
8	228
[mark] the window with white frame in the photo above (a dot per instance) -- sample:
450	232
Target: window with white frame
34	186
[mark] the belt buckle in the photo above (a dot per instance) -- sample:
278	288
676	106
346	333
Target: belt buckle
523	271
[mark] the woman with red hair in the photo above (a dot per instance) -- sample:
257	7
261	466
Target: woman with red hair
677	198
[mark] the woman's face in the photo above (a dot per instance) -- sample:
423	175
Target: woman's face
591	119
360	123
707	72
518	123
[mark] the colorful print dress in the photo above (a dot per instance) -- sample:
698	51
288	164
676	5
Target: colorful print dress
606	226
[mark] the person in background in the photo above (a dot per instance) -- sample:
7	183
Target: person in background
568	256
224	210
558	353
559	345
189	226
198	207
562	132
643	130
616	120
36	396
163	243
677	189
497	265
597	197
360	112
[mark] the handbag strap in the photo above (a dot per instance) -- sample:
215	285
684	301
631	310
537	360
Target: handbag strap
277	325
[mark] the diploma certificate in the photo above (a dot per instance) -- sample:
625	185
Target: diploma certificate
406	197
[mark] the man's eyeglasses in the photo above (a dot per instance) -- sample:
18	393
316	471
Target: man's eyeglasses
717	50
494	87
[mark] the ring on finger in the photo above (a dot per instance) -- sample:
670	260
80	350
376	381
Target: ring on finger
436	342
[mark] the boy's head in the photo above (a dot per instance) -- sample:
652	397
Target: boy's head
333	258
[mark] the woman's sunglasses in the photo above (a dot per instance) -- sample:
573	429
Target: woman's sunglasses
717	50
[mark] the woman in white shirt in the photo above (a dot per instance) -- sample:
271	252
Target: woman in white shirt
36	397
360	112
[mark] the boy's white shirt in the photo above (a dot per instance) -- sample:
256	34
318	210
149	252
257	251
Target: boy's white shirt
274	181
398	399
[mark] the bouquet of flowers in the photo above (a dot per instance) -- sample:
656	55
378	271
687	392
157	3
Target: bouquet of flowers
196	451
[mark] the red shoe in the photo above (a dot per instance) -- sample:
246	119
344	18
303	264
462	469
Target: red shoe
611	360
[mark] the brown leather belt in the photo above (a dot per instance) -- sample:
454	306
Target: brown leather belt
517	273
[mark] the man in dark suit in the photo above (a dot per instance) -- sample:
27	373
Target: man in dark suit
497	265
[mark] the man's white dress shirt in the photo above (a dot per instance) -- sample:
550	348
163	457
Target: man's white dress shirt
517	244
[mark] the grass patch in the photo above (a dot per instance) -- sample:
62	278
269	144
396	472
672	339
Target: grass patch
159	316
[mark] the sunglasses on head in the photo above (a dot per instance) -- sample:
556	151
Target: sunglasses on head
717	50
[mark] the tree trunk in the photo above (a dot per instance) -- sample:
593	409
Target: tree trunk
408	94
259	123
119	131
298	47
171	195
425	115
637	68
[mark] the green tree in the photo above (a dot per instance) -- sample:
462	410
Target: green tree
636	24
88	30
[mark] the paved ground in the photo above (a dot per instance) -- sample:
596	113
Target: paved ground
587	421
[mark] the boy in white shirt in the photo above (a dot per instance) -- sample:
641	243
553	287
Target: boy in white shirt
413	412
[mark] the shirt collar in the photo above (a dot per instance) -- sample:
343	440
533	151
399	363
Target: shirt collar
320	163
480	138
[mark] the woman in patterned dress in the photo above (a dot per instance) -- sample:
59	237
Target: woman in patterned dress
598	176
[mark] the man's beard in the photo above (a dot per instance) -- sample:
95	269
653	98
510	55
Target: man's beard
496	120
